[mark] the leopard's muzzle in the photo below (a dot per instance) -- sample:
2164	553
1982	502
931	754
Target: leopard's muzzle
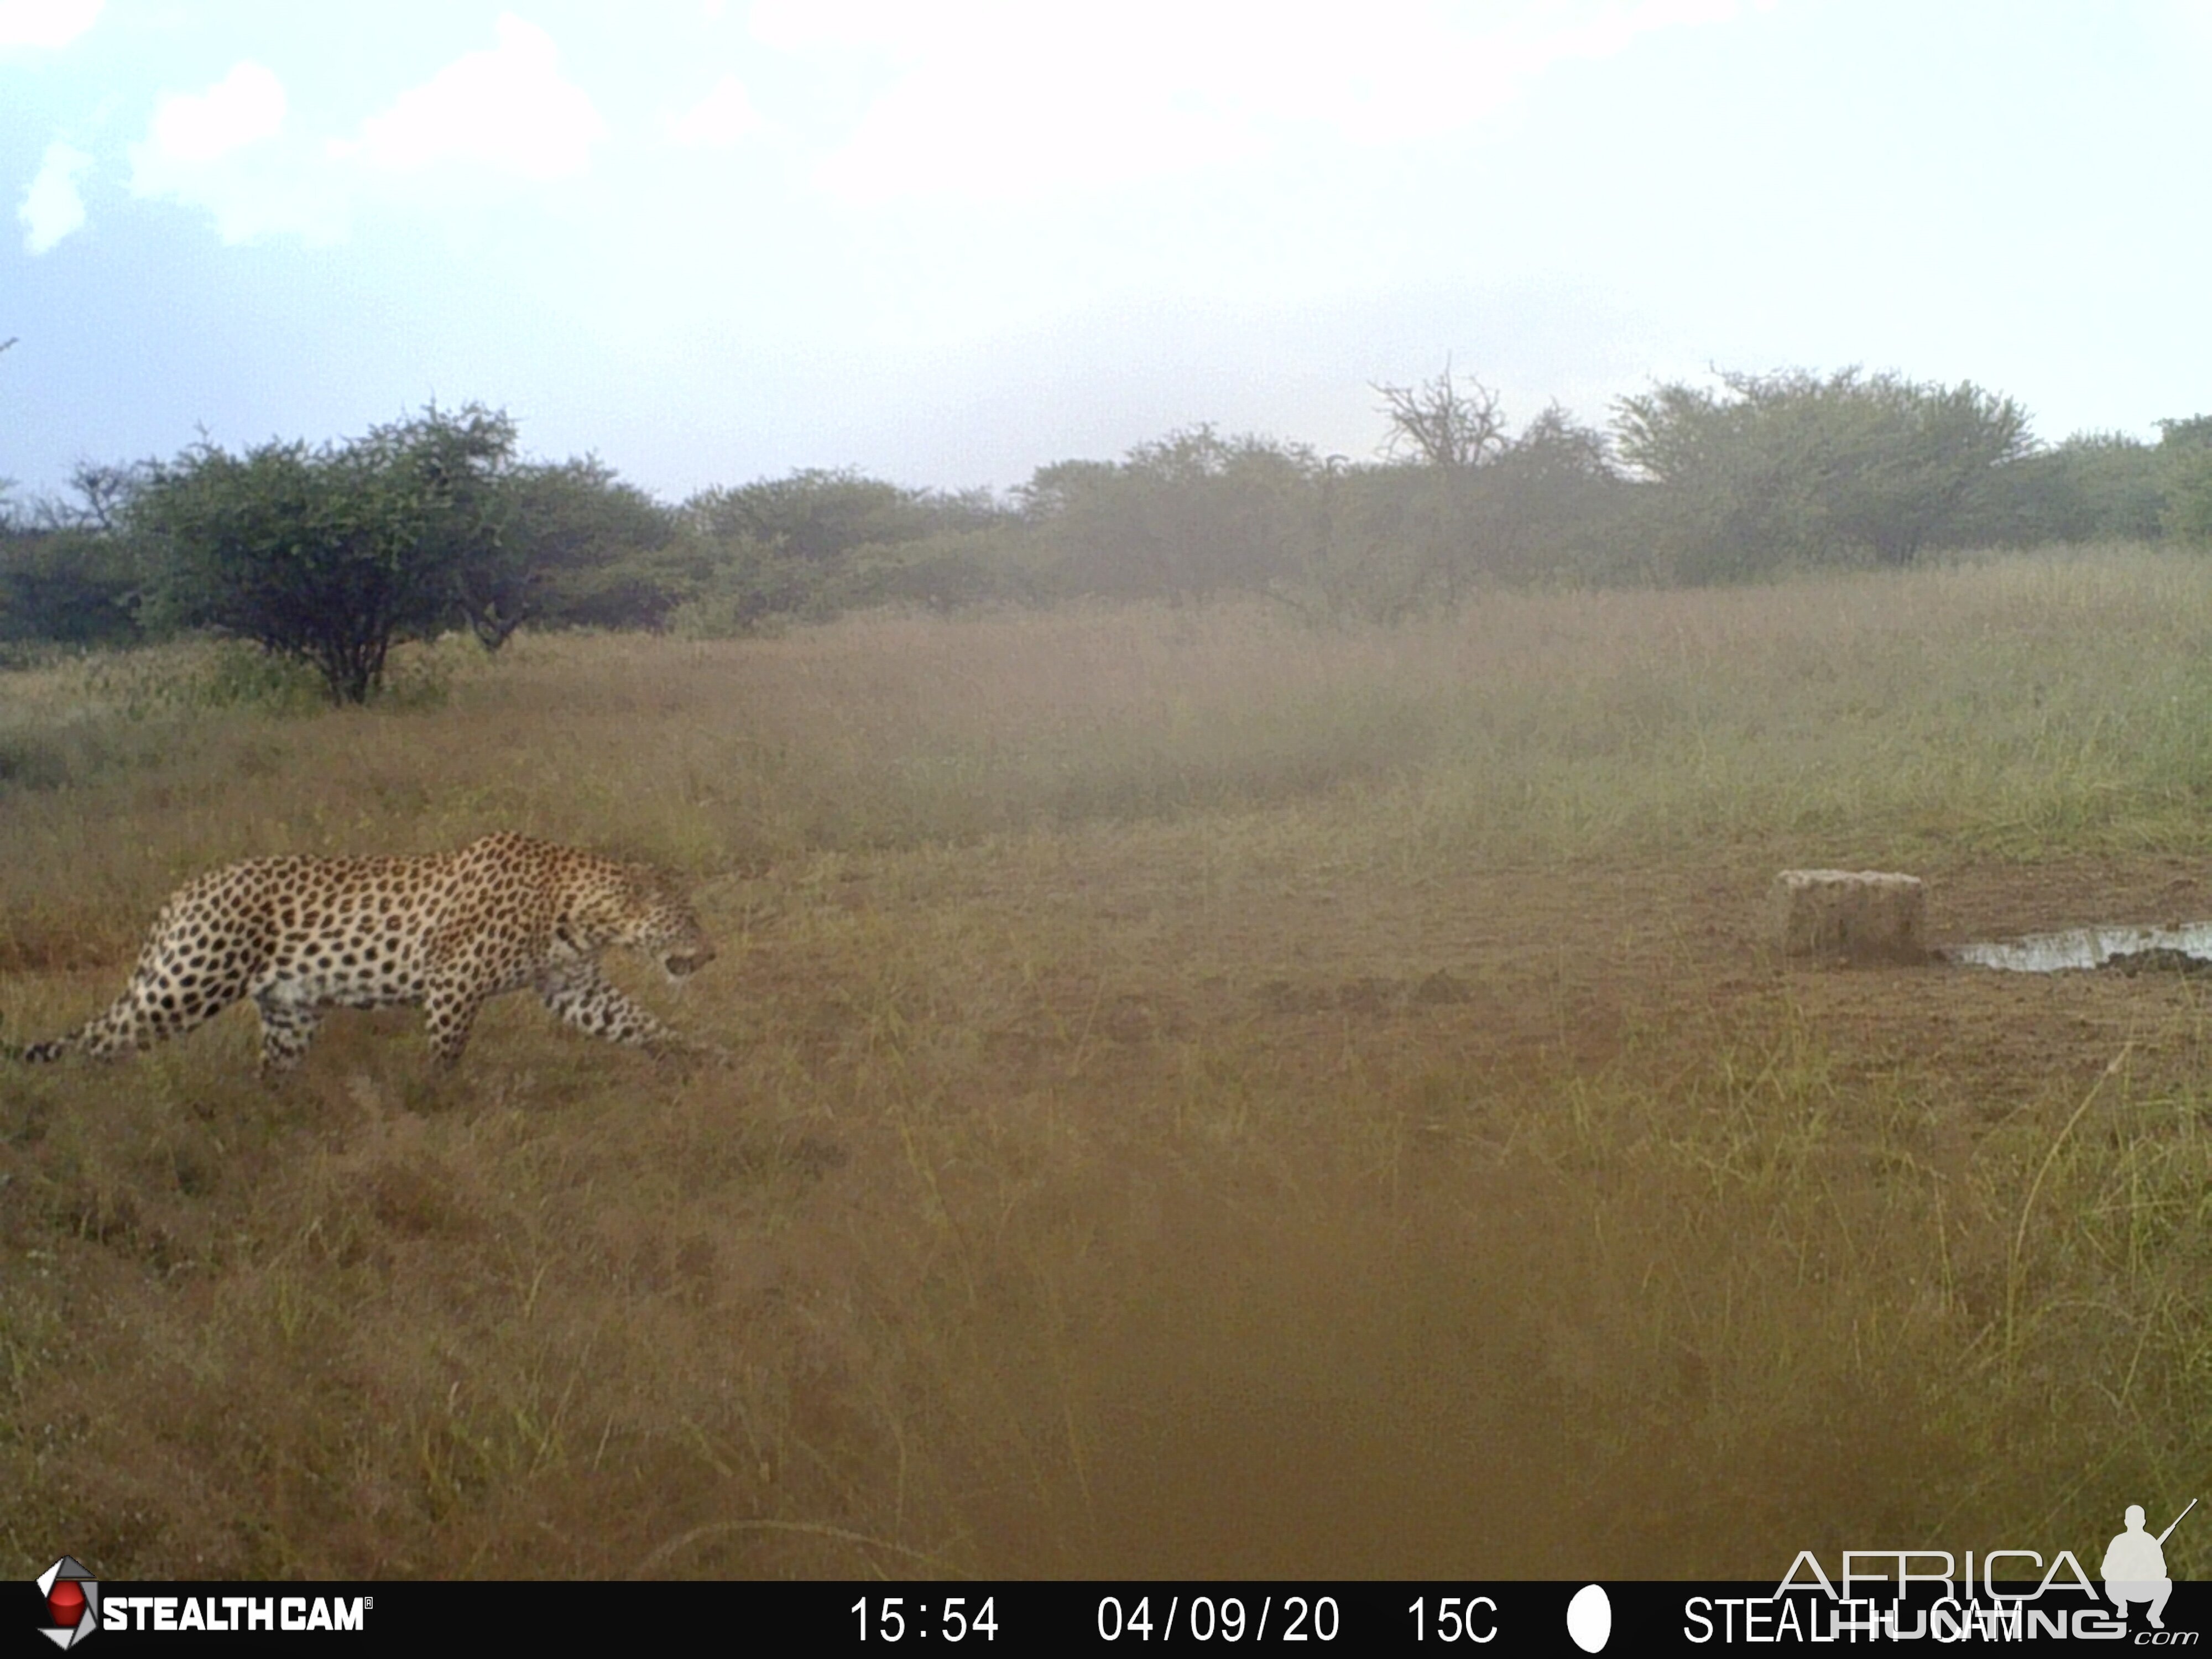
681	964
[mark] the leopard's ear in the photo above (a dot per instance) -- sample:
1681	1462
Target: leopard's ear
638	878
650	881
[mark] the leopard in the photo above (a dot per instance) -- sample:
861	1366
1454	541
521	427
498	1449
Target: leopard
445	932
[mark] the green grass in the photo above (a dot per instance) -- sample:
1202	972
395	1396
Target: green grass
1210	1096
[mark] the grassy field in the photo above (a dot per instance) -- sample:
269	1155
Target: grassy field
1208	1096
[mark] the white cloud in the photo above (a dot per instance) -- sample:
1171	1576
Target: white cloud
244	108
218	150
720	119
44	23
996	98
51	208
800	25
508	109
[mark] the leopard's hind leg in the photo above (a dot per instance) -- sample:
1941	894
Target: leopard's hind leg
144	1015
172	988
288	1026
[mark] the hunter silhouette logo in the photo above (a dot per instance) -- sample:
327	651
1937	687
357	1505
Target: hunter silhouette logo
72	1601
2135	1566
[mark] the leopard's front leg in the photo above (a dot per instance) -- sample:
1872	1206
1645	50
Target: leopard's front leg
585	998
450	1011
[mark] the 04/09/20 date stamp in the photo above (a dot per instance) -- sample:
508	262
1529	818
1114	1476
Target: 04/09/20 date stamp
1202	1618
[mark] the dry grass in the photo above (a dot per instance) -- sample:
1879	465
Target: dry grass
1211	1096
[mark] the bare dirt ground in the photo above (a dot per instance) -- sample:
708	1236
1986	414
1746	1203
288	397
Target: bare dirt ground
1523	974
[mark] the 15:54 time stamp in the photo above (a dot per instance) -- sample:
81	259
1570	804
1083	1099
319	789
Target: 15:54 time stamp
896	1617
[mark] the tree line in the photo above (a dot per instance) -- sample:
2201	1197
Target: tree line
328	554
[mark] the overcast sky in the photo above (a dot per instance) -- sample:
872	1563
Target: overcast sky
950	243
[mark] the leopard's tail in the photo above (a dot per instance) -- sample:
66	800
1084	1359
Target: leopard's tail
39	1053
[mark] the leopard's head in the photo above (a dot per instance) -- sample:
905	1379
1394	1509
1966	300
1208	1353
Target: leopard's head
657	921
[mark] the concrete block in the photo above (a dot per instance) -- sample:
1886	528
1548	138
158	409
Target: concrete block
1867	915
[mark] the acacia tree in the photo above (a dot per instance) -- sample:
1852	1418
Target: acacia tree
72	586
1186	516
2184	454
1442	422
328	555
68	571
818	516
1449	436
6	515
574	544
1789	464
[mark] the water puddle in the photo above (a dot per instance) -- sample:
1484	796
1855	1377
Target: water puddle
2186	949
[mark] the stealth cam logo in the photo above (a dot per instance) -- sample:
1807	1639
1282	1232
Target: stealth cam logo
72	1601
